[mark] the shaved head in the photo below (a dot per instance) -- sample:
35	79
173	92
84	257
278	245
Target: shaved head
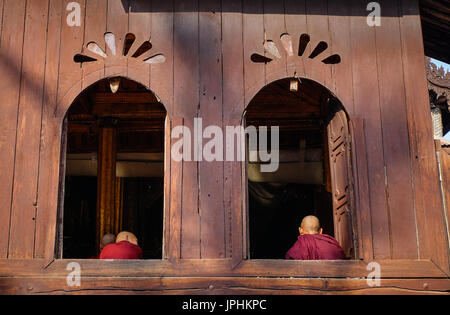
310	225
127	236
107	239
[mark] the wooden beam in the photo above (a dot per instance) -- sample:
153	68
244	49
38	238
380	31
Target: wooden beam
124	98
217	285
129	110
106	180
390	269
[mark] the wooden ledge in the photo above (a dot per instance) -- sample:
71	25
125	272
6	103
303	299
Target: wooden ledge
390	269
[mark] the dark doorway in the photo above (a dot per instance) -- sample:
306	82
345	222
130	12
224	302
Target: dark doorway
114	168
304	183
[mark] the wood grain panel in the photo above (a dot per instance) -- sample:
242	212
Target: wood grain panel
70	73
161	79
140	24
253	38
221	268
318	29
26	171
186	103
395	135
428	204
173	226
362	196
367	105
444	160
296	26
210	110
274	27
340	41
94	31
11	62
1	18
167	186
233	108
49	160
118	23
217	285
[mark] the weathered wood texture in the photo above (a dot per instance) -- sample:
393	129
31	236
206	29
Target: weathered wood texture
443	152
218	277
390	269
208	74
217	285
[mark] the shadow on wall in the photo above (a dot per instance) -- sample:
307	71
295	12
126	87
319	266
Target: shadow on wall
35	87
313	7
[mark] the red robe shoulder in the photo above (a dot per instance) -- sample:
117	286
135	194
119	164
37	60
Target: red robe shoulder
121	250
315	247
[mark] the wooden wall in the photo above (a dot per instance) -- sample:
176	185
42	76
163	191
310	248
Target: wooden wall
208	73
443	151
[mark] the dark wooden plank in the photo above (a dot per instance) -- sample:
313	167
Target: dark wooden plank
444	160
26	170
1	19
210	111
167	186
173	226
274	27
94	31
11	63
215	286
106	180
254	80
233	108
70	73
221	268
427	201
117	23
253	40
295	26
366	98
50	154
161	79
340	41
161	82
318	29
395	135
361	211
186	103
140	24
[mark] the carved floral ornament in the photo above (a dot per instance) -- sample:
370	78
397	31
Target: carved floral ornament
272	51
95	52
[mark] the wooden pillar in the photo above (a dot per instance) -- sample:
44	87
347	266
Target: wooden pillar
108	195
118	211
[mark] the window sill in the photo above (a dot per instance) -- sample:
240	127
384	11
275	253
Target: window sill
220	268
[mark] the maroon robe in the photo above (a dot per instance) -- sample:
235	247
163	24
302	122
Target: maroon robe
121	250
315	247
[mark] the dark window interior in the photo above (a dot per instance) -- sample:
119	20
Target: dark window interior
278	201
137	118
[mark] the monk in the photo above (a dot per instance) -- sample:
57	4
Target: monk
126	247
107	239
313	245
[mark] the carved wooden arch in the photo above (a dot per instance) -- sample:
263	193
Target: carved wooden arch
92	78
63	106
341	155
287	73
